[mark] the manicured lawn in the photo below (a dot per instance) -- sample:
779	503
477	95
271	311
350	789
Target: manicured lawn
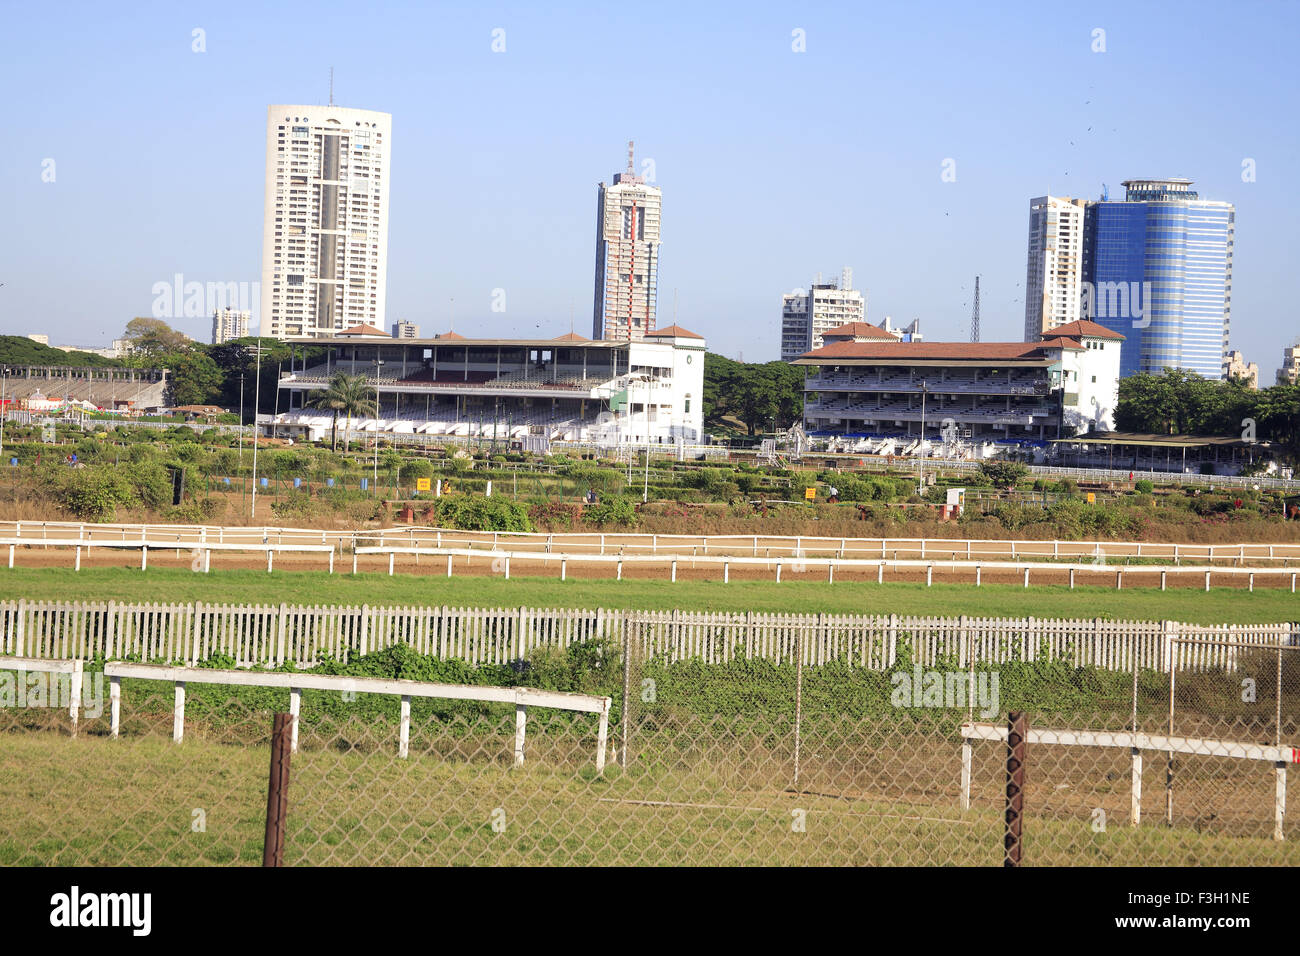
1221	605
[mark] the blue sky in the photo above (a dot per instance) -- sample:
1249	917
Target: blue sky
774	164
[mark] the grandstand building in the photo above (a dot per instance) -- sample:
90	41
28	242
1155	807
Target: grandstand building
50	389
865	383
563	389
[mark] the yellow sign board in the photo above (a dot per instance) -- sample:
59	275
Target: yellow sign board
422	484
810	493
1092	498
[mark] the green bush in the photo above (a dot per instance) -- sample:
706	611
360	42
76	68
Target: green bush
1003	474
1143	486
94	494
614	510
480	513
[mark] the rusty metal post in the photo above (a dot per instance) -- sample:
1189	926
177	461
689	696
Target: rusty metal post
627	688
1017	733
277	791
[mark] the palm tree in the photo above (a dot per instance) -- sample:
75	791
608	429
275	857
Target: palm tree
346	394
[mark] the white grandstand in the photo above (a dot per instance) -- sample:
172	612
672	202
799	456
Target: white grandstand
564	389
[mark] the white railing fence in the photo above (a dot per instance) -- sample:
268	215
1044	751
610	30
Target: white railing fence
271	635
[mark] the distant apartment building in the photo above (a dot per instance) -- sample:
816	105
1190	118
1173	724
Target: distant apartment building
40	339
1053	281
627	257
1289	373
325	224
405	330
807	316
1236	367
228	324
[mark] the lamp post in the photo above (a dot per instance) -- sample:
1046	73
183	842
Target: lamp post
257	397
378	364
921	472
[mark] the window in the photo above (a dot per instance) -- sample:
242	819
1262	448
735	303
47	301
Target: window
1094	380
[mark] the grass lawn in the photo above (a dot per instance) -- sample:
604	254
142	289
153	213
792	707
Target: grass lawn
143	801
1221	605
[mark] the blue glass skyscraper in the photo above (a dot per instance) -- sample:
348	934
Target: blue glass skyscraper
1157	268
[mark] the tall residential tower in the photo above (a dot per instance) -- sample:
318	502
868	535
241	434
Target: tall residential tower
325	228
1053	289
627	257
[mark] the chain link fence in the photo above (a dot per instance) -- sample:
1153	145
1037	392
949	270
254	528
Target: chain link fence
713	757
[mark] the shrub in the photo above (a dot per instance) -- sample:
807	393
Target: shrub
614	510
93	494
415	468
1003	474
1143	486
480	513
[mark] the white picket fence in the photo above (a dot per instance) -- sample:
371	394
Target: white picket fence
270	635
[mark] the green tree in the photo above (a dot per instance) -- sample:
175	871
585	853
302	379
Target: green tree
195	379
345	395
149	336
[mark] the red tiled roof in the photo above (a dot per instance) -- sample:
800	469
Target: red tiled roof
364	329
921	351
675	331
861	330
1082	328
449	335
569	337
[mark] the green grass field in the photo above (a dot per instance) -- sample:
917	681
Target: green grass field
1221	605
143	801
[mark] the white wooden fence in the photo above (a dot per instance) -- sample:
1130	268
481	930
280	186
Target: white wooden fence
521	697
253	635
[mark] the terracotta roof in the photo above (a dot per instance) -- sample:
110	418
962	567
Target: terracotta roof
363	329
860	330
965	351
1082	328
449	335
570	337
676	331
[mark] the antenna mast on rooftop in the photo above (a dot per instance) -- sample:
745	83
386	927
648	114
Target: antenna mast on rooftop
331	86
975	314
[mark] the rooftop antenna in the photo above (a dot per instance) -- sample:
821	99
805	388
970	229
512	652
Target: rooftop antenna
975	314
451	311
331	86
570	316
674	306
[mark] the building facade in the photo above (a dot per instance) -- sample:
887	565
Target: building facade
627	257
405	330
807	316
1158	269
866	386
1236	367
1289	373
325	223
230	324
566	389
1054	278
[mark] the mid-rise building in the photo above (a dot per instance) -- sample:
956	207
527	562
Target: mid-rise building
1053	282
230	324
807	316
325	225
1158	270
1236	367
405	330
870	385
1289	373
627	256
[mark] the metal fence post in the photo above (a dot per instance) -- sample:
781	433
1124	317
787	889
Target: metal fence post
277	791
1017	732
627	688
798	701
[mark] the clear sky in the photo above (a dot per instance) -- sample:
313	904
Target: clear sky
774	164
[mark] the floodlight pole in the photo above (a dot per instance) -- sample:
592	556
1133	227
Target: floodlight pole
378	362
257	398
921	487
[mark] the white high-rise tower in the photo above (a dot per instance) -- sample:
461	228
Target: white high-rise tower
627	256
1054	279
325	231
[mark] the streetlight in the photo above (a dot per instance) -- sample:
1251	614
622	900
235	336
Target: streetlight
378	363
921	488
257	398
